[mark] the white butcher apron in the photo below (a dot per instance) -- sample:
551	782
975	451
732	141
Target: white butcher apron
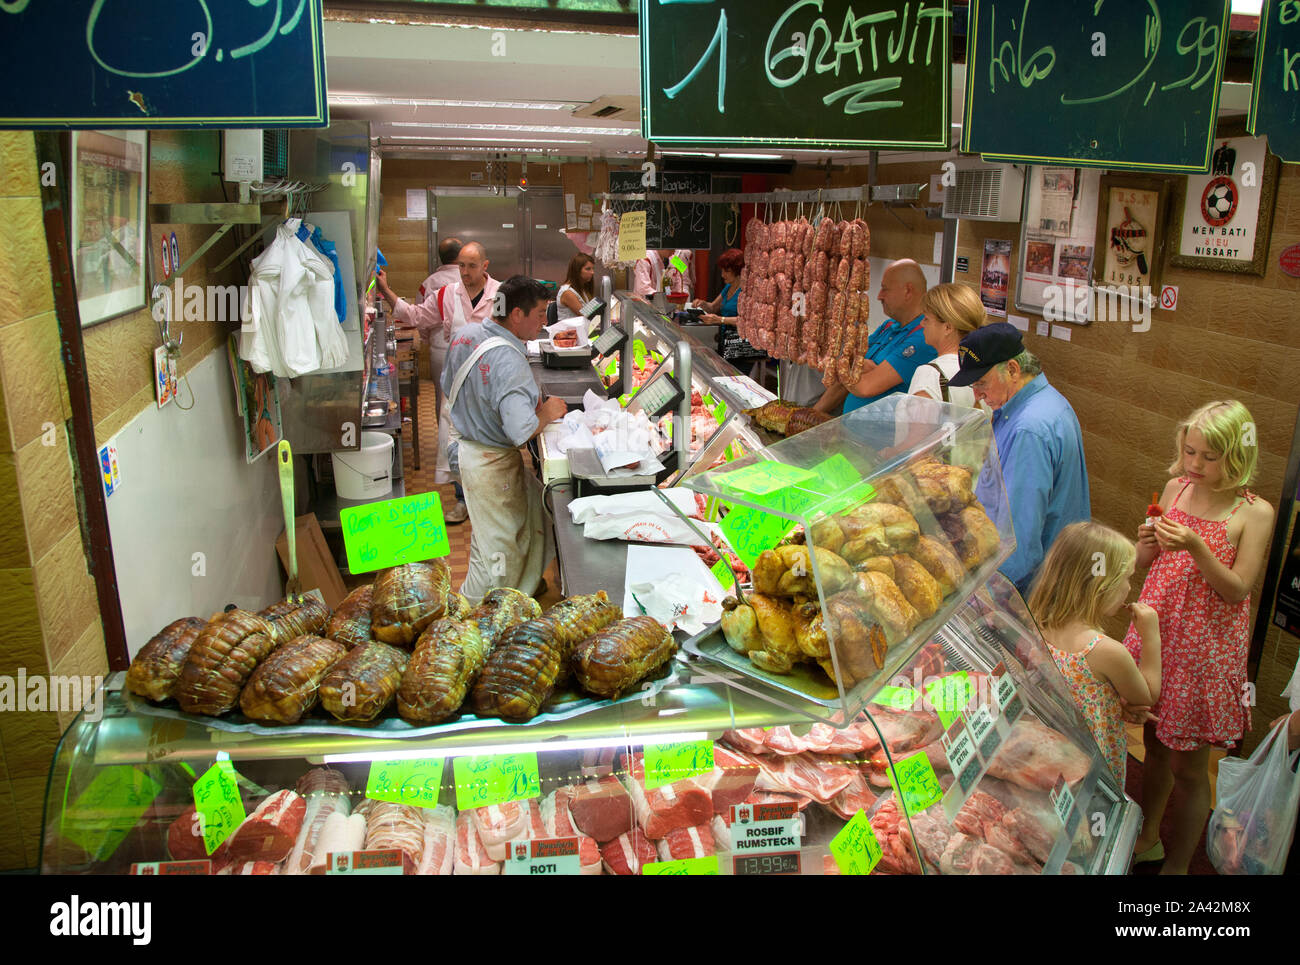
510	543
438	347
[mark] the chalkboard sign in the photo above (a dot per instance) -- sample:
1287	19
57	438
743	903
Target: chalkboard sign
797	73
1081	82
1275	94
668	224
160	64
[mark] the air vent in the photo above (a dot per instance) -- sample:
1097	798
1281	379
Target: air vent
625	107
608	111
275	154
986	192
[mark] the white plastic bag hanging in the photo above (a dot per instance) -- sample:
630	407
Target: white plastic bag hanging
1250	831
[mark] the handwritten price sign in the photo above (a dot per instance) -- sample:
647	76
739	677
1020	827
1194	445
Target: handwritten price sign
687	866
915	783
220	809
106	811
750	531
413	782
395	531
949	696
665	763
764	477
856	849
481	781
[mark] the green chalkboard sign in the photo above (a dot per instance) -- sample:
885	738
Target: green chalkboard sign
1275	94
1131	85
797	73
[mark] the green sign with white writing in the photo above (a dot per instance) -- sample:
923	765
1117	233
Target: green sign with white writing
1275	93
1085	82
797	73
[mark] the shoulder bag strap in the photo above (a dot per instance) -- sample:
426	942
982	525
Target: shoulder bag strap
943	381
462	373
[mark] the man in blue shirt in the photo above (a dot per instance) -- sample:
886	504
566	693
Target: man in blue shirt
896	348
1038	441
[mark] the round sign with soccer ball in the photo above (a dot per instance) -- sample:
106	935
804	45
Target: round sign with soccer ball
1219	202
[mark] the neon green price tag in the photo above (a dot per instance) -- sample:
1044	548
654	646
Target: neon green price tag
481	781
856	849
406	781
666	763
764	477
624	399
687	866
837	473
897	698
851	498
677	263
723	573
394	531
720	413
611	368
949	696
108	809
915	783
216	798
638	352
751	531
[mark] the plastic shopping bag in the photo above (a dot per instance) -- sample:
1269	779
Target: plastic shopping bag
1250	831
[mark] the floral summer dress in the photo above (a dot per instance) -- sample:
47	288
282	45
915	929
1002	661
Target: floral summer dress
1099	704
1204	641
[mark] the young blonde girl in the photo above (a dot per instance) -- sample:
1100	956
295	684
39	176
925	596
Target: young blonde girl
1205	552
1086	577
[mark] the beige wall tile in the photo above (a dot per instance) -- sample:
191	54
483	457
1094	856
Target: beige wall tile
13	857
21	644
30	738
29	260
19	176
13	535
29	803
49	501
31	365
65	593
87	658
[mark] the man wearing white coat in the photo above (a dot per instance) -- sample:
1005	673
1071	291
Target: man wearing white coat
453	307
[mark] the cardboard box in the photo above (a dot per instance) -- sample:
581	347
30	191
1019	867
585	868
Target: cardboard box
316	567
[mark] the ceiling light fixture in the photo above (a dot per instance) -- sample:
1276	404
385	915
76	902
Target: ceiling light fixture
532	128
378	100
527	140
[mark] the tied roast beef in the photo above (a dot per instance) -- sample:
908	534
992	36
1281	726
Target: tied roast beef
292	619
446	661
529	658
613	659
222	659
407	599
364	683
287	684
350	623
157	667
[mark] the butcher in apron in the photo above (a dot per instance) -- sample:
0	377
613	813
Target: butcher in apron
495	409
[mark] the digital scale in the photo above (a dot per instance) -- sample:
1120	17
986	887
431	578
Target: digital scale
591	308
611	340
658	396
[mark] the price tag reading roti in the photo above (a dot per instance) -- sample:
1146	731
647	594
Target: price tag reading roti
856	849
408	781
687	866
220	809
915	783
393	532
544	856
666	763
481	781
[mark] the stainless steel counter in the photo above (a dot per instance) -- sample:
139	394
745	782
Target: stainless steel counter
586	565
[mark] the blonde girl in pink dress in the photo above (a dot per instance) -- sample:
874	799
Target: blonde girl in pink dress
1087	576
1204	552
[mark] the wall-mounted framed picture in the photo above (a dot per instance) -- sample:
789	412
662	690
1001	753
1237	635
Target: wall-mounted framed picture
1057	237
1130	234
109	187
1222	220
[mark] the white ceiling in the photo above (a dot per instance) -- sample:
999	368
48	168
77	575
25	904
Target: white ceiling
528	69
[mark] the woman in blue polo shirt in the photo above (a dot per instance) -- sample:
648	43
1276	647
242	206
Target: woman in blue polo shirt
897	348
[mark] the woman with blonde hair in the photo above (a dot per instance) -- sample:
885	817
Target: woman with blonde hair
950	312
1205	551
1086	577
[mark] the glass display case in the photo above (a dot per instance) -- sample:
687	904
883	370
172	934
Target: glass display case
943	742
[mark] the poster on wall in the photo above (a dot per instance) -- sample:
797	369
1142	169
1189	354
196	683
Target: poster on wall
1130	233
995	276
1286	610
260	403
1224	218
109	186
1053	277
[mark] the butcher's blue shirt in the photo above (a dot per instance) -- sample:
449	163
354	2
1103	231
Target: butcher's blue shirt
903	347
1041	448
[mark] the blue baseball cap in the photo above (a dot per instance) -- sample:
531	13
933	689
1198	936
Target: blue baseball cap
984	348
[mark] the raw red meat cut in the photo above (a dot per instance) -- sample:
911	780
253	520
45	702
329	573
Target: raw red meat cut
269	833
988	860
560	824
980	813
1035	756
958	854
395	827
732	779
693	842
626	854
906	730
185	842
752	740
1030	831
682	804
320	805
858	796
439	857
778	797
601	808
499	824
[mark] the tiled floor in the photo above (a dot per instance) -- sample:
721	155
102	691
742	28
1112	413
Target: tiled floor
422	481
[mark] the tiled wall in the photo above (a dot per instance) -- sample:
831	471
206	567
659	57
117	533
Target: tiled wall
49	616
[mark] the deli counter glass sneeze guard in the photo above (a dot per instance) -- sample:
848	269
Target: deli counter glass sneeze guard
921	695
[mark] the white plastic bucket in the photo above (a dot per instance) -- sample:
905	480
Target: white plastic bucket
367	473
